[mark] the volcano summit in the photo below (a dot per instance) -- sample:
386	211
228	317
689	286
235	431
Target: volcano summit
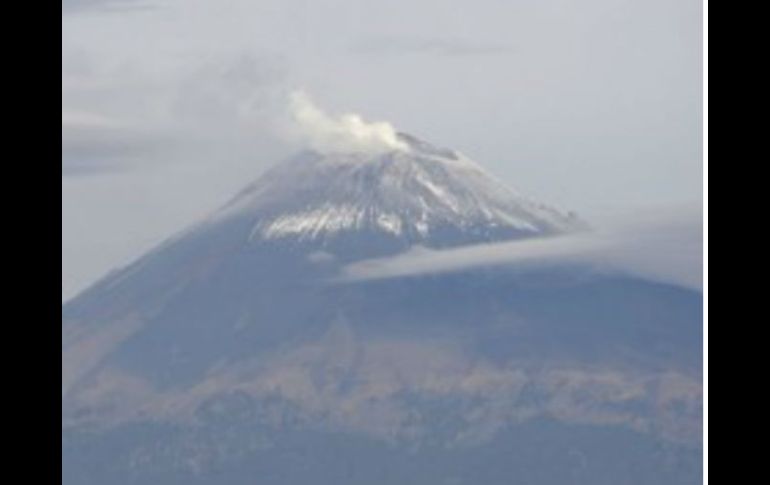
417	195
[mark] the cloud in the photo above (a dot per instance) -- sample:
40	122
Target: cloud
663	244
420	260
344	132
75	6
451	47
94	143
667	249
238	89
116	116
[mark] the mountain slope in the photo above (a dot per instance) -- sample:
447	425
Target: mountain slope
233	344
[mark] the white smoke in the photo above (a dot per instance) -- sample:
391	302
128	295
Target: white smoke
345	132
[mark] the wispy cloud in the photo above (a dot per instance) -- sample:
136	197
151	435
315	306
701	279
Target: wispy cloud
94	143
74	6
448	46
666	249
114	117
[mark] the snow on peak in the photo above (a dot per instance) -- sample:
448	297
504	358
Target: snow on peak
419	194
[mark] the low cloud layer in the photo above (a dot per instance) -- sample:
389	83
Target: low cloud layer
666	248
345	132
94	143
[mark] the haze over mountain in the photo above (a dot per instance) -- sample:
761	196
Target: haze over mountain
233	353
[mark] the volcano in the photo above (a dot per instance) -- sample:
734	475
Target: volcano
231	354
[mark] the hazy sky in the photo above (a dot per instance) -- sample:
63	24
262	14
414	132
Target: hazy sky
169	106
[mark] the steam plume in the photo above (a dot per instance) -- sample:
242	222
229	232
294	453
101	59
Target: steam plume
346	132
